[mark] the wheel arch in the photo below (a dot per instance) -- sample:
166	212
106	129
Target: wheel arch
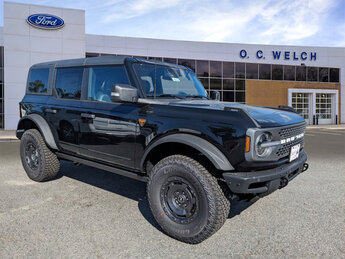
210	151
35	121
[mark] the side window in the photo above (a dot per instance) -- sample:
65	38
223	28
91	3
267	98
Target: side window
68	82
101	80
38	81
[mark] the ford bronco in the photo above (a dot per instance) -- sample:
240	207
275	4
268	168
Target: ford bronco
155	122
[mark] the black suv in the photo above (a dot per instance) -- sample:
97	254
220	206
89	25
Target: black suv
153	121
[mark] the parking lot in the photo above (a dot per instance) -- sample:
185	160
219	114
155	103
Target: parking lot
88	212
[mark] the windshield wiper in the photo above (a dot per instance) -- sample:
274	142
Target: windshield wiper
165	95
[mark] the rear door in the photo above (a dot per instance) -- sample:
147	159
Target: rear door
63	110
108	130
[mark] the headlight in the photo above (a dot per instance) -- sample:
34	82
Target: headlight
262	150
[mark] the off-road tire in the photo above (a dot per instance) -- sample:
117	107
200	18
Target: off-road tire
48	164
212	206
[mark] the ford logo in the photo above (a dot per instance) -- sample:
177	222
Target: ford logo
45	21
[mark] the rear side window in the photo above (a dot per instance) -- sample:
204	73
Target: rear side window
101	80
38	81
68	82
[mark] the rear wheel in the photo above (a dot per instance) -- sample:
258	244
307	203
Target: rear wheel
186	200
39	162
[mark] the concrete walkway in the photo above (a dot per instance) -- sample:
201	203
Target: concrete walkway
10	135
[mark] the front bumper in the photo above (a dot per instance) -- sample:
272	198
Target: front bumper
266	181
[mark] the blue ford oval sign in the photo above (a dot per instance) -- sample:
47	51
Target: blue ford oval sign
45	21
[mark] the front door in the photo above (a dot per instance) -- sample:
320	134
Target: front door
324	108
108	130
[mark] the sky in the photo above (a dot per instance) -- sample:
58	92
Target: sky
281	22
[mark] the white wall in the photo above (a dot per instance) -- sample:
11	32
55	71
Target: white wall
25	45
326	56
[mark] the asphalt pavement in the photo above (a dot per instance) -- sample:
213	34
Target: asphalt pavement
90	213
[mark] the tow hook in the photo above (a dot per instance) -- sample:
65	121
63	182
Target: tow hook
283	182
305	167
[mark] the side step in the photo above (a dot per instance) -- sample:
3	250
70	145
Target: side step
103	167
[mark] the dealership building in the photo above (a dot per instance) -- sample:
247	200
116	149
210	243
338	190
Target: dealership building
310	79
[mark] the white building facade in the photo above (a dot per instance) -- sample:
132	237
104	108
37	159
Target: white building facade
310	79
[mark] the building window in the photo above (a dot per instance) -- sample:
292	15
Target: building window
91	55
216	69
277	72
187	63
228	84
2	94
228	69
312	74
301	73
252	71
170	60
202	68
265	71
289	73
205	82
323	74
334	75
240	70
215	84
68	83
228	96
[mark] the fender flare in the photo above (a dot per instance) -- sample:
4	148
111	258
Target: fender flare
217	158
43	127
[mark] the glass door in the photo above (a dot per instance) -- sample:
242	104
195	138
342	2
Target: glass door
301	102
324	108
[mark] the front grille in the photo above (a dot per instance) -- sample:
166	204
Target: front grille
290	132
284	150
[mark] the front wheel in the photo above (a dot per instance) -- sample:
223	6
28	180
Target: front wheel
39	162
186	200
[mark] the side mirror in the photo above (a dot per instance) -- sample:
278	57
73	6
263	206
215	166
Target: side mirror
124	93
215	95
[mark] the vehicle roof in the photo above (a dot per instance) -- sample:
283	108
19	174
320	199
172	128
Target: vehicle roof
102	60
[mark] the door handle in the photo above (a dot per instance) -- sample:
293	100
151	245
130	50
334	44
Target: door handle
51	111
88	115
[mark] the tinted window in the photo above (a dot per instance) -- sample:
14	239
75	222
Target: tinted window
215	84
228	96
228	69
38	80
277	72
323	74
202	68
289	73
101	80
170	60
301	73
204	82
240	97
216	68
228	84
312	73
252	71
240	85
240	69
187	63
264	72
334	75
68	82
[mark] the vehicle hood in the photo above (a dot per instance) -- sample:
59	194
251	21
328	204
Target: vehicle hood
264	117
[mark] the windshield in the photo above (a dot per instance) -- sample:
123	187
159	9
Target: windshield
165	81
